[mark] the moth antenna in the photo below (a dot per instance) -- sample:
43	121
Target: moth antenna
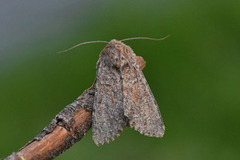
148	38
83	43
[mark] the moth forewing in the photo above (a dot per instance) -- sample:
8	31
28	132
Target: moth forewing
140	106
108	114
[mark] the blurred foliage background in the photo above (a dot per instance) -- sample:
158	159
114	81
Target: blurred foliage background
194	74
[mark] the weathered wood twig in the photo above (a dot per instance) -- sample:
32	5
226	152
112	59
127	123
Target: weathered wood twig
67	128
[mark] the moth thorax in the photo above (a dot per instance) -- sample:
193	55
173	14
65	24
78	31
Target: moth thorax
118	60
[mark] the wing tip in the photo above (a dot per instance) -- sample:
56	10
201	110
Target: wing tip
157	131
101	141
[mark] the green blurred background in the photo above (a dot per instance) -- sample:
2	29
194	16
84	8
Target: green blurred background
194	74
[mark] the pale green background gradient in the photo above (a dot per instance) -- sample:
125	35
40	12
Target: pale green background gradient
194	74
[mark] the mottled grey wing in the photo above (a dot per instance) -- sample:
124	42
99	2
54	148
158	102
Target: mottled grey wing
140	106
108	113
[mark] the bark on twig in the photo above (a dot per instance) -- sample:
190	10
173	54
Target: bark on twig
67	128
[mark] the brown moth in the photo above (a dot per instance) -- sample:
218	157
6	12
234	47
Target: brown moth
122	96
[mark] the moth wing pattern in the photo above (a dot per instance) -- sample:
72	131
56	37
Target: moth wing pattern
108	113
123	96
140	106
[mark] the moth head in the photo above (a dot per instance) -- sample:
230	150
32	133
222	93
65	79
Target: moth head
116	52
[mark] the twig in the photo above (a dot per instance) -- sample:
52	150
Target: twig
69	126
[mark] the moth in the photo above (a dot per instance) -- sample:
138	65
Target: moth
122	95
